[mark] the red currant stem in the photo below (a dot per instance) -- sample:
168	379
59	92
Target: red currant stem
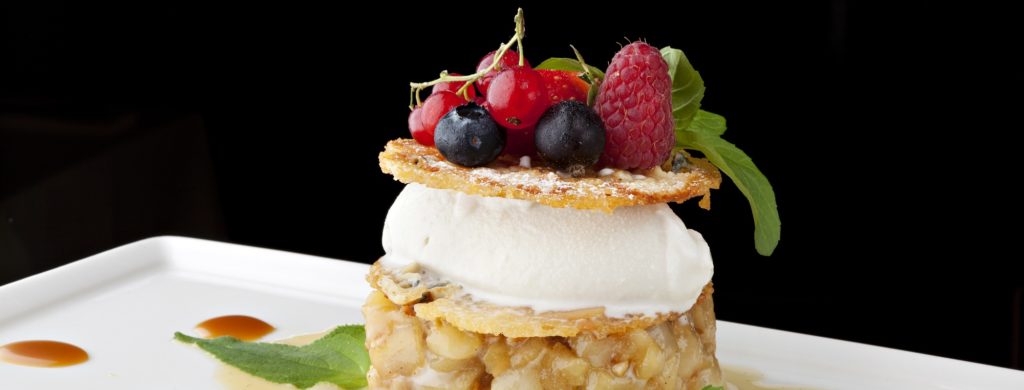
470	79
520	33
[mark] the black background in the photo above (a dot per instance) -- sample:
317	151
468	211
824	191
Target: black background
885	131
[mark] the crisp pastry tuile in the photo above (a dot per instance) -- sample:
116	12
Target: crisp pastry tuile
410	162
446	302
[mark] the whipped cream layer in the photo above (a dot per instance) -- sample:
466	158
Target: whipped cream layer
637	260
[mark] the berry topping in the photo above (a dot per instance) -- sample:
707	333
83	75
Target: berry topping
570	136
645	98
520	142
453	87
517	98
508	61
434	108
417	129
635	102
468	136
564	85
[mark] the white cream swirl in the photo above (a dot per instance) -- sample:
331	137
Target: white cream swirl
637	260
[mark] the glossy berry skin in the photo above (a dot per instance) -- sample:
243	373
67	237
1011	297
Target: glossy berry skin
635	102
434	108
564	85
570	136
508	61
468	136
453	87
417	129
520	143
517	98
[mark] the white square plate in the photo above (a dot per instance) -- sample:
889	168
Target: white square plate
124	305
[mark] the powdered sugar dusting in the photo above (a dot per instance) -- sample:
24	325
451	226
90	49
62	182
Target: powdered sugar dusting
520	178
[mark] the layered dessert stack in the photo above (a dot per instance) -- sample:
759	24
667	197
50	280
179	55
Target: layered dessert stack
532	246
518	278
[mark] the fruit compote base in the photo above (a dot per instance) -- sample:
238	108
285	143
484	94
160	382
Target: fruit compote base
409	352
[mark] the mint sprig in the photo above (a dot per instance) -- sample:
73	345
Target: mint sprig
703	135
710	387
338	358
700	130
687	86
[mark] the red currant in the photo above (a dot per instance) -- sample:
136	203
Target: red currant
454	88
508	61
520	142
434	108
517	98
417	129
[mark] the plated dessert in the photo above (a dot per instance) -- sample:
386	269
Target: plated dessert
533	247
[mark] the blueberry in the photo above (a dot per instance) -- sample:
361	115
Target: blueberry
468	136
570	136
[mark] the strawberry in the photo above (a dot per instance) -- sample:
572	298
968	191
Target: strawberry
564	85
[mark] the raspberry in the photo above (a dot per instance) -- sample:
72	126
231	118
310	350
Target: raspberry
635	102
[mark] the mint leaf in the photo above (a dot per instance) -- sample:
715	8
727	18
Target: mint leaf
700	130
707	123
687	86
559	63
710	387
703	135
338	358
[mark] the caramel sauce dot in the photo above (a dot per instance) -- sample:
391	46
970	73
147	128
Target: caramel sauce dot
238	326
42	353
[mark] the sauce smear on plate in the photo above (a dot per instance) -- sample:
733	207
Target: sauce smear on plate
238	326
42	353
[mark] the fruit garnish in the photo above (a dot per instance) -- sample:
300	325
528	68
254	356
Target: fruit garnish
434	108
508	61
564	85
635	102
516	108
589	74
648	100
495	66
468	136
570	136
418	129
517	98
520	142
701	131
454	87
338	358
